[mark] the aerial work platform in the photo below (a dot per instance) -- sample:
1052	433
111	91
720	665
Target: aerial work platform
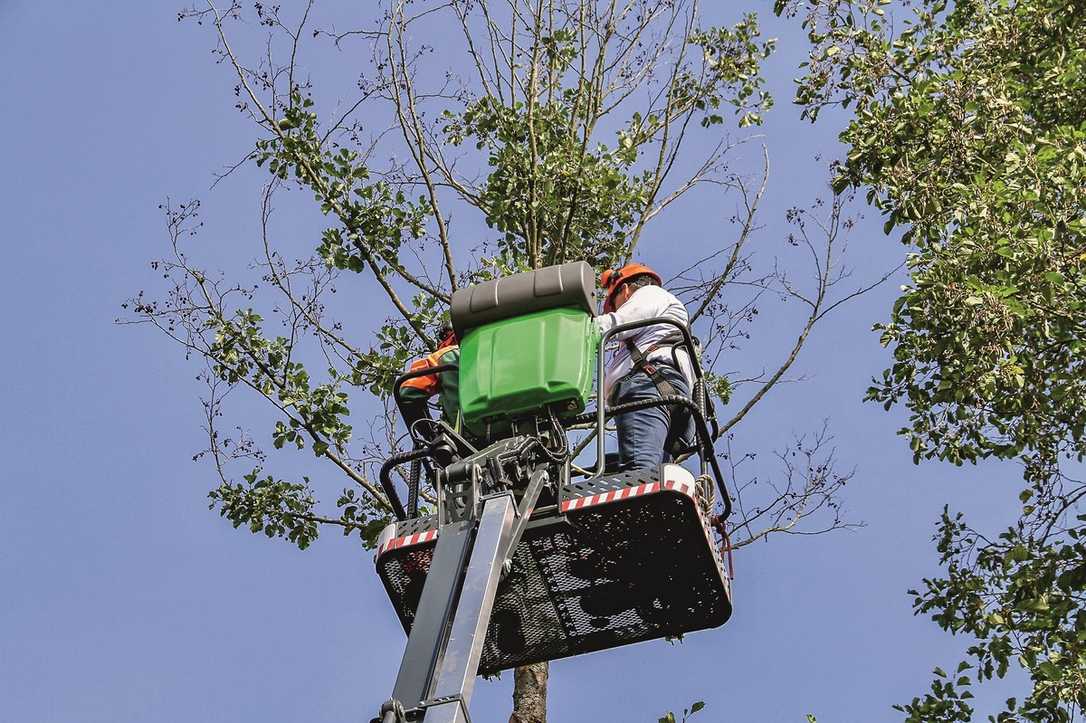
629	557
529	557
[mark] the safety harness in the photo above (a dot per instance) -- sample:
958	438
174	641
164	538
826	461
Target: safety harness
642	364
663	386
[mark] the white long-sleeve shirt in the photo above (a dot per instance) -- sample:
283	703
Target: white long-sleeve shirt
646	302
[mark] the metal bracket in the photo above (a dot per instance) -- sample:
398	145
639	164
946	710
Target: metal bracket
459	492
454	675
536	483
391	712
450	700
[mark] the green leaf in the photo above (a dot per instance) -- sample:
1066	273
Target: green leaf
1018	553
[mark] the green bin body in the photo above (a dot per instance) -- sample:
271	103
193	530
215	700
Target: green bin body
521	365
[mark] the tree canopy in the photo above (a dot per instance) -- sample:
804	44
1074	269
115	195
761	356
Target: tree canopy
968	132
562	127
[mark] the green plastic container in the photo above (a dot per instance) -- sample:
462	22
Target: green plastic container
518	366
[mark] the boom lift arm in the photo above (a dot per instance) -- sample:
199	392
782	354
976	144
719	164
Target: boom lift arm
477	535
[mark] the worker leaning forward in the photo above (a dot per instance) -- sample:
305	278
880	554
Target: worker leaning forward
416	391
646	363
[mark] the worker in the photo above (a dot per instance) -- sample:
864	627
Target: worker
415	392
645	363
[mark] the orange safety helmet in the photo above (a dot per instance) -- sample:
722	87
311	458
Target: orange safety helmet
448	338
612	280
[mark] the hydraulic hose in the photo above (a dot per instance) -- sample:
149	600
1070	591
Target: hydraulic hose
413	487
386	479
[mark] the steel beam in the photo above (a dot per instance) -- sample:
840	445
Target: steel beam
430	626
458	667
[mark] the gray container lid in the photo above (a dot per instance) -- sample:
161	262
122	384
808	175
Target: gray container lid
552	287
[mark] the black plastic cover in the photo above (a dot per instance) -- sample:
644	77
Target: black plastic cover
552	287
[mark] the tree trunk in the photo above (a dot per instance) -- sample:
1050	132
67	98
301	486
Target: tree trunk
530	694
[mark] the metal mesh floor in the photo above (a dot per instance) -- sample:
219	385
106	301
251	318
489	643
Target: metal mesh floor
631	560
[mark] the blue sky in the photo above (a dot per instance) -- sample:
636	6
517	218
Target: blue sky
125	599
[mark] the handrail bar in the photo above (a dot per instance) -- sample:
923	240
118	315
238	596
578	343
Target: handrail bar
601	367
386	481
406	376
705	440
602	412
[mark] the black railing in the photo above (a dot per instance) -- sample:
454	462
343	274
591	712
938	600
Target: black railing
386	477
705	437
398	384
701	429
706	430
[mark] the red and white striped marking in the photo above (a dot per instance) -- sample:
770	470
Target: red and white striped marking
648	488
683	486
397	542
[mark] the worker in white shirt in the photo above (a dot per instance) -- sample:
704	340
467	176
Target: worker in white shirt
646	363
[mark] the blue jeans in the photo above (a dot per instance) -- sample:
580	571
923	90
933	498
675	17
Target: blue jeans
645	436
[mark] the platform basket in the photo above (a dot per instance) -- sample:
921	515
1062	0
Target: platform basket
626	558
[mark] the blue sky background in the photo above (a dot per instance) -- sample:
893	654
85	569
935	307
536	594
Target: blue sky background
125	599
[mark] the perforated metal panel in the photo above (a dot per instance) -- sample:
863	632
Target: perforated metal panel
631	559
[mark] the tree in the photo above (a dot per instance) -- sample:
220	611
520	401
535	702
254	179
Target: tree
969	132
563	127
